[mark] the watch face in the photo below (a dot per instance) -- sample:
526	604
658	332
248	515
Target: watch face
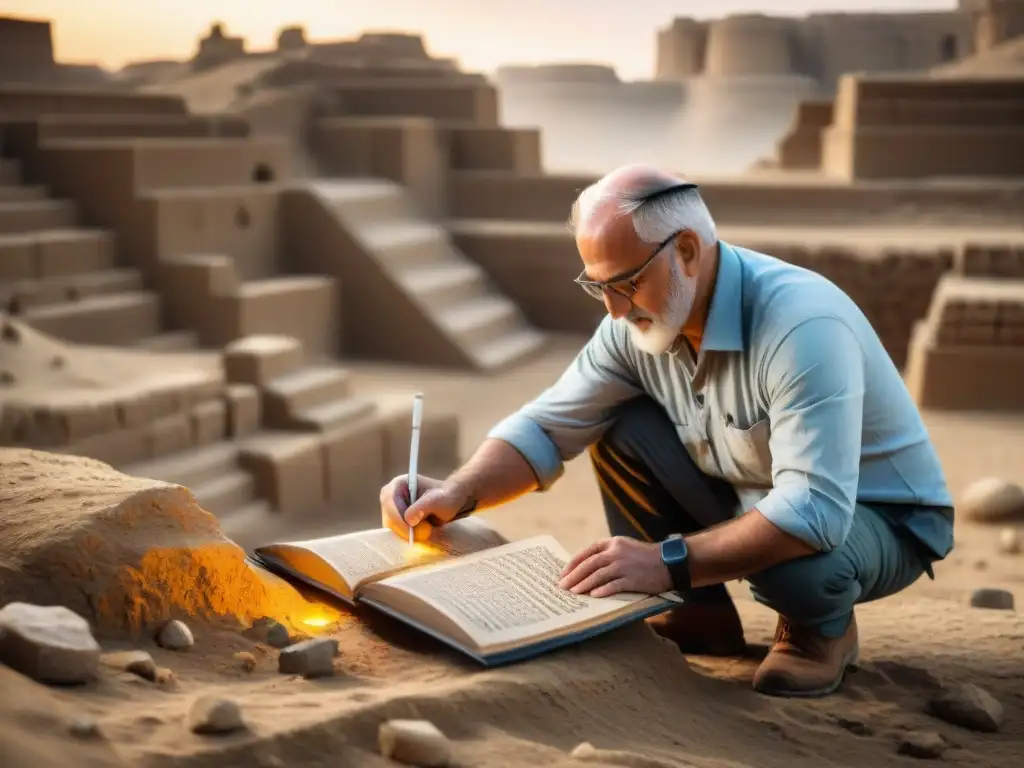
673	550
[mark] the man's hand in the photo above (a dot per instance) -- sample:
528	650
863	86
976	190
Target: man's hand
437	503
618	564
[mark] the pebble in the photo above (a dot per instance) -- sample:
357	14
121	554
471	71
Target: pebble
969	707
1009	542
246	660
175	636
269	631
277	636
926	745
137	662
211	714
995	599
84	728
992	500
50	644
415	742
310	658
164	676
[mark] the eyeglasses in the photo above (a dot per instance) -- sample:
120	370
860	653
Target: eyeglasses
624	285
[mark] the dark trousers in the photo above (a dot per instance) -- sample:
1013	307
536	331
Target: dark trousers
651	488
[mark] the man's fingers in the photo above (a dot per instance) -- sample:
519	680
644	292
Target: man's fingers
583	570
612	587
582	555
599	577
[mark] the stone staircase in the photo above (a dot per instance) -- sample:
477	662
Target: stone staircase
62	278
448	298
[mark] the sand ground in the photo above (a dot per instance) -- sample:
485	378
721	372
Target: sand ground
628	691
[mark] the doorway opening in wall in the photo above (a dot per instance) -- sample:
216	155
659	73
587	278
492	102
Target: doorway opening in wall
949	48
242	218
262	173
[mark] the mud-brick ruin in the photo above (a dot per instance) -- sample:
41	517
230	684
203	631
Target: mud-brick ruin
193	254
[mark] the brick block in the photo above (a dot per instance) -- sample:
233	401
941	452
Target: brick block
354	471
259	359
244	411
209	422
288	471
169	434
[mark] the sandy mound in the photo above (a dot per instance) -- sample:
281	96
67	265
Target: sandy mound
123	552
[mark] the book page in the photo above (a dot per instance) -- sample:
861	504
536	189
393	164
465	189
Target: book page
506	594
366	555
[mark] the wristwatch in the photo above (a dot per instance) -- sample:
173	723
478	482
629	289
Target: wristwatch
676	557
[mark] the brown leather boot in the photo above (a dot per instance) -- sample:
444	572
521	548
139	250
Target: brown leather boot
702	628
805	663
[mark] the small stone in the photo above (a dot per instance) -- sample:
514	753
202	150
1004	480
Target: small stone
137	662
995	599
969	707
246	660
980	564
992	500
277	636
926	745
50	644
210	714
175	636
84	728
415	742
310	658
1009	542
164	676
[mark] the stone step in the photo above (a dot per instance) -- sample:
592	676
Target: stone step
408	244
222	495
37	293
332	415
117	319
19	193
193	469
445	284
34	215
55	253
287	396
364	202
513	347
10	172
479	321
172	341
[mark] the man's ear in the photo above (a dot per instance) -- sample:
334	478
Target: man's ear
688	248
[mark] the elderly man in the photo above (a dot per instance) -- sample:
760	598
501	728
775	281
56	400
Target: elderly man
744	422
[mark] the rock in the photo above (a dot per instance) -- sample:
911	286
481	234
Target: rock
416	742
84	728
1009	542
277	636
175	636
926	745
211	714
310	658
246	660
137	662
50	644
969	707
164	676
996	599
588	753
992	500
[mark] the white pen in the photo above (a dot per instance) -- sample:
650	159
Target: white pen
414	452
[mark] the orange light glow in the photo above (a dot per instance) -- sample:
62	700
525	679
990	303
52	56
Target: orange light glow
318	621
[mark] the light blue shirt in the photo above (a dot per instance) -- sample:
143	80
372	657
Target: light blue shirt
792	400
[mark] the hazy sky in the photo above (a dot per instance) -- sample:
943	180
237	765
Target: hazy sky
480	33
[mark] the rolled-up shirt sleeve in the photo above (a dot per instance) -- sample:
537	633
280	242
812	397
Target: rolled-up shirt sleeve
572	414
814	383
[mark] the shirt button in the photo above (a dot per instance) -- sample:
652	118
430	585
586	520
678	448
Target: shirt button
700	401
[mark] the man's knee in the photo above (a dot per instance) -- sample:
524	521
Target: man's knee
636	422
809	590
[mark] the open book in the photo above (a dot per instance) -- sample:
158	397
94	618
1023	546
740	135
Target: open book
494	600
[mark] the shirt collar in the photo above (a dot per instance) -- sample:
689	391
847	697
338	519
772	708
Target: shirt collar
723	331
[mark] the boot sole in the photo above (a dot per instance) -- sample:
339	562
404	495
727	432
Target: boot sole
849	662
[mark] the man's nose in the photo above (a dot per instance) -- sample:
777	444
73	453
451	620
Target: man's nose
617	305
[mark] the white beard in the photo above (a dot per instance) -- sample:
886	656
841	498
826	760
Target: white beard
665	328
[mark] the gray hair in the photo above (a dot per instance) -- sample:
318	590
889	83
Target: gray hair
658	210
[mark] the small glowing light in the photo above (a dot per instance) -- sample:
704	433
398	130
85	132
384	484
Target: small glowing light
317	621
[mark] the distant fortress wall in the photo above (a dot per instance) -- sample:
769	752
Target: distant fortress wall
820	46
749	45
998	21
